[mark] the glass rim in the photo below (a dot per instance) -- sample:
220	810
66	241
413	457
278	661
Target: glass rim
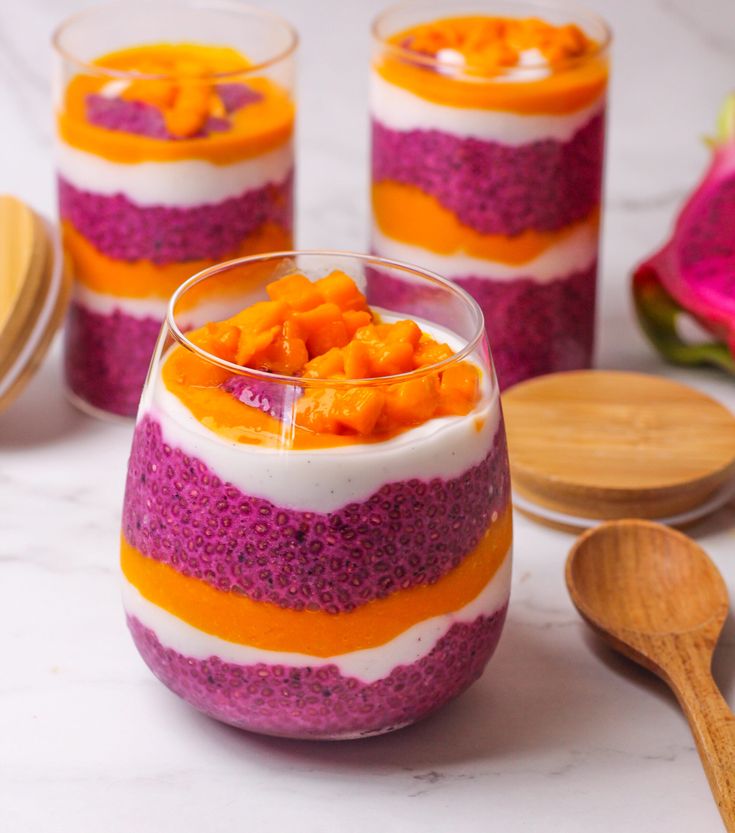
202	5
431	62
469	348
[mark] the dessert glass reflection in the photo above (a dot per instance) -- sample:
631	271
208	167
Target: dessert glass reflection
316	536
174	152
487	155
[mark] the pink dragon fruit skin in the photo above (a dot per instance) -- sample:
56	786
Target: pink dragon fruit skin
694	273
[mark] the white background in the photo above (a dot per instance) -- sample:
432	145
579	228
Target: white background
559	735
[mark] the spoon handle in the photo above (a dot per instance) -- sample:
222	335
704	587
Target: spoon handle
713	726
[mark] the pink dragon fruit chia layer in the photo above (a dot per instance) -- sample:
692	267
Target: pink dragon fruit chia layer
494	188
159	178
487	157
124	231
320	701
341	585
106	357
410	533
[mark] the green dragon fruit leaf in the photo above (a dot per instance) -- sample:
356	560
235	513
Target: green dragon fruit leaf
658	315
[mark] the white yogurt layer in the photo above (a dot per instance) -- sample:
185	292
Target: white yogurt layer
368	665
104	304
399	109
178	184
326	479
576	253
108	304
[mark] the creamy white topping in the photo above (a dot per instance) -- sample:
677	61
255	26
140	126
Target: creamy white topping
532	62
533	67
177	184
112	89
399	109
574	253
451	61
325	479
368	665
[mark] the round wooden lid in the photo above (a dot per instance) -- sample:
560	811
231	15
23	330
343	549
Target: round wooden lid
600	445
34	289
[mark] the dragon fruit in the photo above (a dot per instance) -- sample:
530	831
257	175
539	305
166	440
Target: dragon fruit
694	273
269	397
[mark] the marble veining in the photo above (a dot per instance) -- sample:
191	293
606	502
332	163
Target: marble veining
559	735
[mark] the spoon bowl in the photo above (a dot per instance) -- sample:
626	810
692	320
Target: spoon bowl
645	578
656	597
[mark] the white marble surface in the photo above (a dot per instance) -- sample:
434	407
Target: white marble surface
559	735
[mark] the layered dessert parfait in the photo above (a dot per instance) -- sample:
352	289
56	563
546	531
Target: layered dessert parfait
316	536
487	154
171	157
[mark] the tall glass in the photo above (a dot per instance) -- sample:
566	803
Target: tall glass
488	124
175	151
308	583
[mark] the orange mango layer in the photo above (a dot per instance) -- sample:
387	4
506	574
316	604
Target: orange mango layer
186	98
263	625
320	330
144	279
408	214
491	46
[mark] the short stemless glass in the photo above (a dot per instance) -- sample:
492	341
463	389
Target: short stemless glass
315	583
488	125
175	152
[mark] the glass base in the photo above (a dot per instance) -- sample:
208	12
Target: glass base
90	410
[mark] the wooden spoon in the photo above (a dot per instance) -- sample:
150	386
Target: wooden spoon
657	598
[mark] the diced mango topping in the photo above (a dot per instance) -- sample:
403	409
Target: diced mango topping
490	44
191	107
211	104
182	83
325	330
184	93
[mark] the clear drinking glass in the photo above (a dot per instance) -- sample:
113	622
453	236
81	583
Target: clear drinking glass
306	584
488	125
175	151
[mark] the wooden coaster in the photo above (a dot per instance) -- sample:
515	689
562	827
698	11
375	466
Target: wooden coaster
34	290
606	444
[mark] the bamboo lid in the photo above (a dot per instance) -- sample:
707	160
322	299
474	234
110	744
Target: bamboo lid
594	445
34	290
